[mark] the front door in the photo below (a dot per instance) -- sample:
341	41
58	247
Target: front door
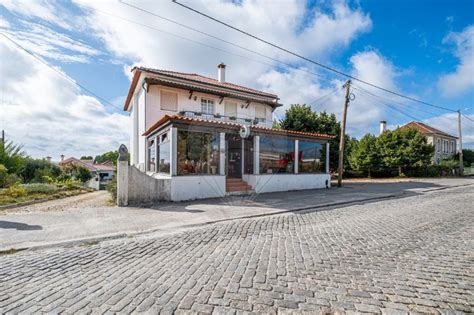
234	156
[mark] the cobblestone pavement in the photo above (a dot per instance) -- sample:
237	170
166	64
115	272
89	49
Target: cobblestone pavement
394	256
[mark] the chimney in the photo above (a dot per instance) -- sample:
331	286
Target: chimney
221	72
383	126
62	157
48	158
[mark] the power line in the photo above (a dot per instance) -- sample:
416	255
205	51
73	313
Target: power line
467	117
201	43
310	60
212	36
358	88
57	71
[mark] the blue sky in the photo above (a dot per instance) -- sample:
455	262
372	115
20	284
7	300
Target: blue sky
423	49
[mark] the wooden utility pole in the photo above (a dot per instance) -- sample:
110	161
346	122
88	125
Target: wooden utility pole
461	166
343	134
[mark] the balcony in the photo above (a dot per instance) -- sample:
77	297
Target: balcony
216	117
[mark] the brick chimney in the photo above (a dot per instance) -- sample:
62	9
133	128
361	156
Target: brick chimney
221	72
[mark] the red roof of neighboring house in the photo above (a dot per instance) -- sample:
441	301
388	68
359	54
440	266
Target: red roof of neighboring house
192	77
89	164
426	130
234	126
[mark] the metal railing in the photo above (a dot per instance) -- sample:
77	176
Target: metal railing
217	117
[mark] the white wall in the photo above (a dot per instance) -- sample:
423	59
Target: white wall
197	187
286	182
141	129
154	112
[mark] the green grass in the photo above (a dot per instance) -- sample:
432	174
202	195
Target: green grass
5	199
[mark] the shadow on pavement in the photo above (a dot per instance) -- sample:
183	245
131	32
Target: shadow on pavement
19	226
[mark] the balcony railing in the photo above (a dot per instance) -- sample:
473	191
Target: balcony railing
231	119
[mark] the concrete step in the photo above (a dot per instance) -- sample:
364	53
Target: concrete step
236	185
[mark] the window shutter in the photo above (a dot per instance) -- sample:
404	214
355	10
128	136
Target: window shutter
231	109
260	112
169	101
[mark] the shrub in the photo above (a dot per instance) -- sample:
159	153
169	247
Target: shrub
16	191
11	179
112	188
41	188
70	184
3	175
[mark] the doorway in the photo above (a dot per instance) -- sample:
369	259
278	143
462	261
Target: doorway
234	156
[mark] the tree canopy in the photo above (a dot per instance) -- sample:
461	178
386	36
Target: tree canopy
107	156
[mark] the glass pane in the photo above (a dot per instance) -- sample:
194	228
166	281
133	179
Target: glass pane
164	157
311	157
151	156
198	153
276	155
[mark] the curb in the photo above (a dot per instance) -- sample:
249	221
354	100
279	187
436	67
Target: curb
97	239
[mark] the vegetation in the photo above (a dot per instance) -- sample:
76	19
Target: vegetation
302	118
111	156
86	157
112	188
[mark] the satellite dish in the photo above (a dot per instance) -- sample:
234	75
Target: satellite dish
244	132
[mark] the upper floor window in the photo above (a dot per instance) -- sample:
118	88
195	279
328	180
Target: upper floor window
169	101
260	113
207	106
453	147
438	145
231	109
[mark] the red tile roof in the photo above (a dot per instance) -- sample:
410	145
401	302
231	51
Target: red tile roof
426	130
192	77
89	164
234	126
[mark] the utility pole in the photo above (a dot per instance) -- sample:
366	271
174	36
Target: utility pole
461	166
343	134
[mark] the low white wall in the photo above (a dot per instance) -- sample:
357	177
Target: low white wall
285	182
93	182
197	187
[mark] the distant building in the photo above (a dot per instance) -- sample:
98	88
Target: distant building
102	173
444	143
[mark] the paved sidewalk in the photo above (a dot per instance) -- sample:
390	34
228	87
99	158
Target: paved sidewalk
23	230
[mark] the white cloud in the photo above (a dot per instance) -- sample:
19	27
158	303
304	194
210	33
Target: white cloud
51	116
49	11
4	23
461	80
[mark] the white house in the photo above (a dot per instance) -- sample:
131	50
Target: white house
444	143
206	137
102	173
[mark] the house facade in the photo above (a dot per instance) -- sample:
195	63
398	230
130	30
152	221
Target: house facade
445	144
206	137
102	173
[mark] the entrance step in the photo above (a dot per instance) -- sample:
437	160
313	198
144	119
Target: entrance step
237	184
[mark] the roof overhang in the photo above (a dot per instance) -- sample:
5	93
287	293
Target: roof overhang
160	79
224	125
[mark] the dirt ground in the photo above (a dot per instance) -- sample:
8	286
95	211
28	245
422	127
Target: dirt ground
87	200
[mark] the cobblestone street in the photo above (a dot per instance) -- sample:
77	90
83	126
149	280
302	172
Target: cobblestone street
412	254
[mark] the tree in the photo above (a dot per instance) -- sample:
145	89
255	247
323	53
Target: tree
34	170
404	149
107	156
87	157
467	157
302	118
12	156
77	171
364	156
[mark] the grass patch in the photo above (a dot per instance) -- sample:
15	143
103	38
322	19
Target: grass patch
36	194
10	251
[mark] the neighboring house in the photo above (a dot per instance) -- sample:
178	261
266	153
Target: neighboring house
102	173
445	144
207	138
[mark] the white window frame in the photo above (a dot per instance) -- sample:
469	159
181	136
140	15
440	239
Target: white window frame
206	105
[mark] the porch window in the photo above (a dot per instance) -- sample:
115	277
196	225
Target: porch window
312	157
164	154
207	106
198	153
151	165
277	155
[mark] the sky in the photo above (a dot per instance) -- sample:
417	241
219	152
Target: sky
423	49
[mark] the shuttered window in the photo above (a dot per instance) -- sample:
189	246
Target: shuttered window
260	113
169	101
231	109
